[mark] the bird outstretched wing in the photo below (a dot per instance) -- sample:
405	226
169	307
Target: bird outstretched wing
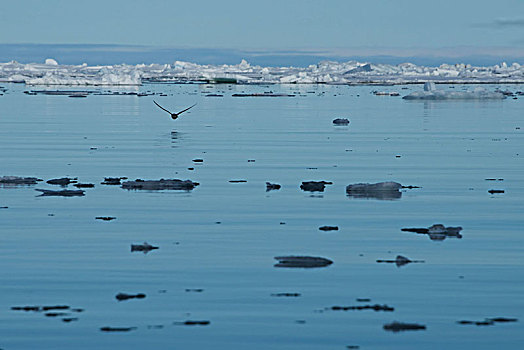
162	108
186	109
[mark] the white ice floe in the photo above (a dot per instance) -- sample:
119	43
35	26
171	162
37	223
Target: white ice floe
326	72
431	93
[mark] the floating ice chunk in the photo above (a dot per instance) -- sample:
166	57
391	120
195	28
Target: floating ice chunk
162	184
430	86
51	62
379	190
431	93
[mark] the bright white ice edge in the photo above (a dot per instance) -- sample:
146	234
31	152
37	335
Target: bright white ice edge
326	72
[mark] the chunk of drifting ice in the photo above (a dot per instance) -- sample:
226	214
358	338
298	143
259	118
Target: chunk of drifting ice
431	93
51	62
430	86
162	184
379	190
302	261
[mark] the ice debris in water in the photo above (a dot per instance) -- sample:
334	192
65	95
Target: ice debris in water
379	190
18	180
431	93
325	72
302	261
437	232
162	184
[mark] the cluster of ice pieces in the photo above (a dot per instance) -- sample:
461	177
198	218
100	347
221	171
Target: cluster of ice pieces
326	72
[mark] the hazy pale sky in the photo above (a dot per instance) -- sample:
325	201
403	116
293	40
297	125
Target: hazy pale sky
285	24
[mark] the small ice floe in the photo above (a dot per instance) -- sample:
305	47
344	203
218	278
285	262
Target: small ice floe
113	180
265	94
117	329
328	228
192	323
314	186
63	181
125	296
488	321
431	93
302	261
380	190
62	193
341	121
272	187
286	295
11	181
145	247
376	307
162	184
86	185
437	232
400	326
40	308
105	218
386	93
400	261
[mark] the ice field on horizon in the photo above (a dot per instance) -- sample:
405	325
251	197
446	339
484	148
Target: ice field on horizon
325	72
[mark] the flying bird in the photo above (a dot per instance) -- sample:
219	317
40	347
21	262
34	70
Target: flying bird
174	115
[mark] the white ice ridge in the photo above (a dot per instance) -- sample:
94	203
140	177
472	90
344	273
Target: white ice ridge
326	72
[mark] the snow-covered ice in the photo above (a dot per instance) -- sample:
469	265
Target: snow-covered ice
326	72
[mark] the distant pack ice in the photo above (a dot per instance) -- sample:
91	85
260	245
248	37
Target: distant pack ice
326	72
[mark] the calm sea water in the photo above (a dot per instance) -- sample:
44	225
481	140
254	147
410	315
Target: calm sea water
222	237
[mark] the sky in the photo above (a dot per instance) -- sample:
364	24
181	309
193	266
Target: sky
340	27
